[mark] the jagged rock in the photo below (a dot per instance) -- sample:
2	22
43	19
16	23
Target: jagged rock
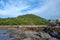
58	35
17	39
23	35
39	35
35	36
44	35
53	34
27	38
30	33
53	38
39	39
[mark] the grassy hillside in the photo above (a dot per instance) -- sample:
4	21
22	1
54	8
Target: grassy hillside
28	19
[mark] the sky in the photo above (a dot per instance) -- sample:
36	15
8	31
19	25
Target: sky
49	9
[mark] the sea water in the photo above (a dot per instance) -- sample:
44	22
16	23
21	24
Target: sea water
5	34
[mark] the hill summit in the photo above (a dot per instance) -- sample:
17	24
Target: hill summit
28	19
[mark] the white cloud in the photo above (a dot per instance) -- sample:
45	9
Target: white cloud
48	9
40	9
12	10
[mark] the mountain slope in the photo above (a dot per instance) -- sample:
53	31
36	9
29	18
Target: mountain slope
28	19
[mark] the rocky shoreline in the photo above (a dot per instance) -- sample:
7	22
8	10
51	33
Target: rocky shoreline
31	34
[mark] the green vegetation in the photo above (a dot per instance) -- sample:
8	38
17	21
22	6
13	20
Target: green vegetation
28	19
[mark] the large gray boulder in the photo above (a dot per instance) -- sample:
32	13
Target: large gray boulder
44	35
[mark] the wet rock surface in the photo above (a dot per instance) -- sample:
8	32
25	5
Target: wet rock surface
21	34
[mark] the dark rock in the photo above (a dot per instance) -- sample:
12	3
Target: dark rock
23	35
17	39
38	34
27	38
58	35
53	38
11	35
44	35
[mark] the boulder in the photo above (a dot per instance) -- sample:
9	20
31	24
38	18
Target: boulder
44	35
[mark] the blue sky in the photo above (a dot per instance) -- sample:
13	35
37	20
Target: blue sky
49	9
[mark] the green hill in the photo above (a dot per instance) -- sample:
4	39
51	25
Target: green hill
28	19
